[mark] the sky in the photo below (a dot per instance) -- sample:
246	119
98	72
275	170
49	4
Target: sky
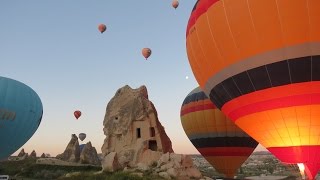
55	48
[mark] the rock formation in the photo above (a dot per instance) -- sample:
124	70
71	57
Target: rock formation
89	155
171	166
33	154
21	153
176	166
132	129
72	151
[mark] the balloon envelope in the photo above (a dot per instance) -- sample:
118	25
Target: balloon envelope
102	28
262	71
146	52
82	136
175	4
77	114
224	145
20	115
81	146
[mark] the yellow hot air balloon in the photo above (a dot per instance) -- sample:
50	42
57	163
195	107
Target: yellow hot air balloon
224	145
259	61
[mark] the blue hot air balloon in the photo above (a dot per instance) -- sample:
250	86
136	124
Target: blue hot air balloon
20	115
81	146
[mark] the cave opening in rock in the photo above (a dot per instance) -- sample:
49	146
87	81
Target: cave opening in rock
138	133
153	145
152	132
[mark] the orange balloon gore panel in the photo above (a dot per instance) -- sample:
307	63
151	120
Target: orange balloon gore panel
227	165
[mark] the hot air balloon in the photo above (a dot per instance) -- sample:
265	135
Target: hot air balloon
175	4
262	71
146	52
77	114
102	28
82	136
20	115
81	146
224	145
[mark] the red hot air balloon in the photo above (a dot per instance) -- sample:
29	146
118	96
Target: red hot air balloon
223	144
262	71
175	4
146	52
77	114
102	28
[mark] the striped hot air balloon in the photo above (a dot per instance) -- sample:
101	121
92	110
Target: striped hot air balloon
259	61
224	145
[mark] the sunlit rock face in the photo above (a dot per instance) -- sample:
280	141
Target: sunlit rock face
72	151
22	153
133	131
33	154
89	155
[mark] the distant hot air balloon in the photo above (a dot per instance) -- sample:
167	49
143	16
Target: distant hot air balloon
82	136
20	115
102	28
81	146
146	52
175	4
263	71
77	114
224	145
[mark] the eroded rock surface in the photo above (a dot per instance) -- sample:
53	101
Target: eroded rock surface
133	130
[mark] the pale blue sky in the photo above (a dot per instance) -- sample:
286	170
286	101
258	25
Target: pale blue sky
56	49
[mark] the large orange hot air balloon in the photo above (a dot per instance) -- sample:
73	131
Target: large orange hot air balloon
146	52
102	28
175	4
77	114
259	61
224	145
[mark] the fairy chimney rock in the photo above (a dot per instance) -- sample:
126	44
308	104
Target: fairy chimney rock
72	151
21	153
33	154
132	129
89	155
